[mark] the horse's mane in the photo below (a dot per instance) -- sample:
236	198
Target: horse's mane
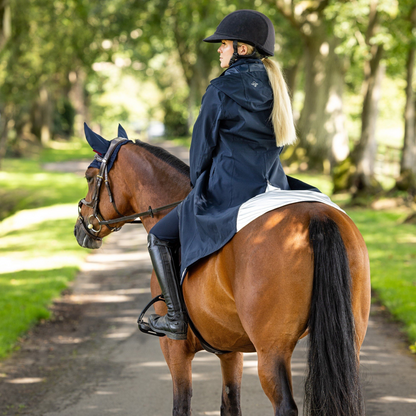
166	157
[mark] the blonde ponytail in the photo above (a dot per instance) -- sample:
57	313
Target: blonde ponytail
281	116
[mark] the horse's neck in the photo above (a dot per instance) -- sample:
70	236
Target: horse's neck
152	182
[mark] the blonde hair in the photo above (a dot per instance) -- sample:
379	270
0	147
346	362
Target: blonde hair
281	115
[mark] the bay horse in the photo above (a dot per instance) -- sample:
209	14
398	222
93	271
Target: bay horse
302	269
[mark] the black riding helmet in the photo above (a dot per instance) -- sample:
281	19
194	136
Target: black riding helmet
248	26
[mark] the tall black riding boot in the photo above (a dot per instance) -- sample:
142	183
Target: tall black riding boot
174	323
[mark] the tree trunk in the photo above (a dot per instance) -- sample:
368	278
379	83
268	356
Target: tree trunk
407	179
291	77
46	116
363	157
5	22
77	99
321	125
408	161
41	116
4	120
322	134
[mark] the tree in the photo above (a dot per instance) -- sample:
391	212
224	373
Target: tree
373	35
5	22
362	178
322	134
407	179
5	31
49	42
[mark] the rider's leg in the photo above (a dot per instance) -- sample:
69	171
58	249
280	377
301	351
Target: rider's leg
163	243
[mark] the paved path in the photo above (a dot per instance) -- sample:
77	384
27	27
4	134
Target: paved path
123	371
106	366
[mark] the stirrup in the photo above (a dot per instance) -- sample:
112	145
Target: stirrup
143	325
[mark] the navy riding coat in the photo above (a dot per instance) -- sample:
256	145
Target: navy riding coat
233	157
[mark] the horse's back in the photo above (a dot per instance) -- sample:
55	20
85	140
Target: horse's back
259	285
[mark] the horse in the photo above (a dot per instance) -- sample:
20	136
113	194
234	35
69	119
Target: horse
298	270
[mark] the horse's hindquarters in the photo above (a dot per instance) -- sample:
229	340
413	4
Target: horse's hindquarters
257	289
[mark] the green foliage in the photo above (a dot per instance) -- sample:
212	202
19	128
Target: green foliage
341	175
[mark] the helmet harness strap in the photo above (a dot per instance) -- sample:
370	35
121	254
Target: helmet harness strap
235	56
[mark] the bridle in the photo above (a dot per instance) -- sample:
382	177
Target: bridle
94	203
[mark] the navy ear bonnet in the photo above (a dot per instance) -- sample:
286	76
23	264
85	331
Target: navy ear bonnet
101	145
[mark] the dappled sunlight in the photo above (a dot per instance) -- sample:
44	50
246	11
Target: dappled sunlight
65	340
133	240
151	364
28	217
16	262
248	364
374	362
129	312
25	380
205	358
406	239
89	286
393	399
119	335
99	298
118	260
28	242
123	319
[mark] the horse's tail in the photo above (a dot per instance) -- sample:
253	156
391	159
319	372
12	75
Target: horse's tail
332	386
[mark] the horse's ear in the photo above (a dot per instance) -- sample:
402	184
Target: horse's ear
121	132
98	143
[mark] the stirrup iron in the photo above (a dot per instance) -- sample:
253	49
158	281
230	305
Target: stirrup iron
143	325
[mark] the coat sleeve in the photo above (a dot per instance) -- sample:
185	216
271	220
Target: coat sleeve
205	133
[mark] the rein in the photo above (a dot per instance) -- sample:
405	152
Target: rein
103	175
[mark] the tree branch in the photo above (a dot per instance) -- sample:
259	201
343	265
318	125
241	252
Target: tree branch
288	12
372	21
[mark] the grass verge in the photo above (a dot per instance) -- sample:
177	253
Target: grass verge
38	252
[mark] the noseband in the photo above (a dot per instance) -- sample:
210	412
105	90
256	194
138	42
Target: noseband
103	175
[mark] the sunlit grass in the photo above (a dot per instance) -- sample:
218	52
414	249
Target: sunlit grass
38	260
23	185
39	255
67	150
392	248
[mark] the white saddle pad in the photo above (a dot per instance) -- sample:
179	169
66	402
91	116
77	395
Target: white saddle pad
275	198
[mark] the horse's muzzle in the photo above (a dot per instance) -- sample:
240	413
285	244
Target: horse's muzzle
84	239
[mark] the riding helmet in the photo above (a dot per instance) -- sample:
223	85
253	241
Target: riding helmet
248	26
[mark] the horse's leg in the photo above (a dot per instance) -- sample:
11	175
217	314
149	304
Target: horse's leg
232	372
276	380
179	357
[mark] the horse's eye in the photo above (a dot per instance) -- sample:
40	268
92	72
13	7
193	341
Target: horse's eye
89	178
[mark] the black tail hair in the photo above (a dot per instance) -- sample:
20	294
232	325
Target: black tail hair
332	386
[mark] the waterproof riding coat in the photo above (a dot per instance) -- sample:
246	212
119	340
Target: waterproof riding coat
233	157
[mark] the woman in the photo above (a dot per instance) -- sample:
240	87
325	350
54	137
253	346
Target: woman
244	121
